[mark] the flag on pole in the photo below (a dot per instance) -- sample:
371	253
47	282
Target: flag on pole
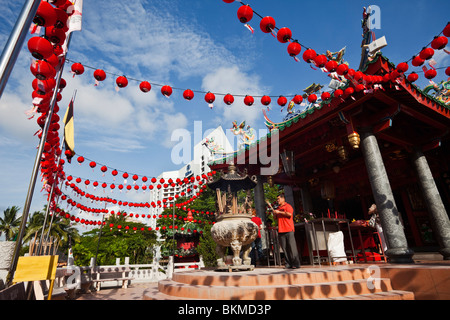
76	17
69	142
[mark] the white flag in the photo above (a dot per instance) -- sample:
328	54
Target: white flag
76	17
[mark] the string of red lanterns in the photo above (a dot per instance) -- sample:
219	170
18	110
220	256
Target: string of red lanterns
131	215
284	35
48	59
135	176
159	203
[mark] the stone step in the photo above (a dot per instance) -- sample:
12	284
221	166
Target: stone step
155	294
272	292
268	277
388	295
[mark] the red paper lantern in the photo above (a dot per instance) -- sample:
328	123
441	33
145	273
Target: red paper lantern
267	24
45	15
294	48
145	86
298	99
92	164
331	66
55	35
188	94
309	55
320	61
122	81
228	1
350	73
349	91
394	75
426	53
40	48
282	101
338	93
284	35
402	67
325	95
359	87
114	172
44	86
42	70
62	84
104	168
439	43
447	71
77	68
248	100
166	91
54	61
210	97
80	159
446	31
228	99
61	19
265	100
342	69
245	13
417	61
312	98
413	77
99	75
430	74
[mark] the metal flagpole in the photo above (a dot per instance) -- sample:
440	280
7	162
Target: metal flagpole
34	175
15	41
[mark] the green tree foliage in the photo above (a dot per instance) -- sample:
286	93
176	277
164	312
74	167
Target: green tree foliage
60	228
9	224
202	210
137	244
207	248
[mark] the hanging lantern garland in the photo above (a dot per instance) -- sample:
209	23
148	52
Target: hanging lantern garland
284	35
294	48
439	42
48	53
135	177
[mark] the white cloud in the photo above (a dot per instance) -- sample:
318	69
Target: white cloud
159	45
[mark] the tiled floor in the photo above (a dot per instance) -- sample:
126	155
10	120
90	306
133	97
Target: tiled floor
135	291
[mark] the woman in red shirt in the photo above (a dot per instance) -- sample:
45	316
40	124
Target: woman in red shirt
285	216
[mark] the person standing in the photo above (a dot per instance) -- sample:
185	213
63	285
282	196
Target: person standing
256	245
285	217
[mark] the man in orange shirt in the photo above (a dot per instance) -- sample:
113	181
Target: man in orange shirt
285	216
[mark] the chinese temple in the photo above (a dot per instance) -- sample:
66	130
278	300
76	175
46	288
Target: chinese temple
388	146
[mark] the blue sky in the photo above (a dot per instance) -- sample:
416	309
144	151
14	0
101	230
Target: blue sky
193	44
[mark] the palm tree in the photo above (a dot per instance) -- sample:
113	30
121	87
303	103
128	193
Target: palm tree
9	224
59	229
